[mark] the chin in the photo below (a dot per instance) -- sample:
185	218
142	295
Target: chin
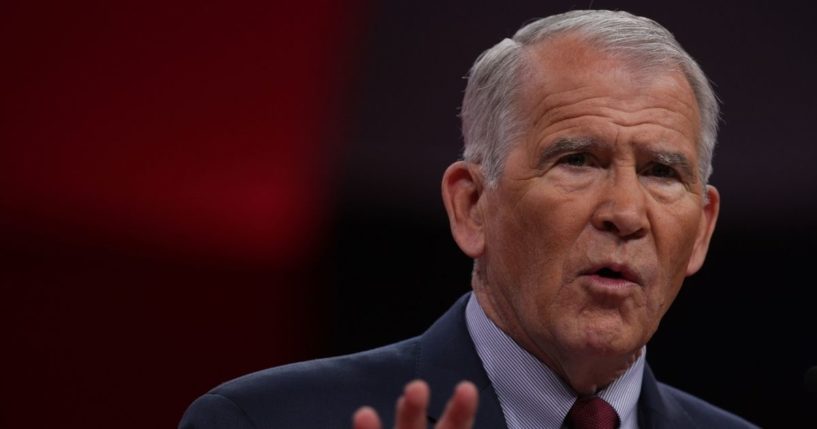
605	341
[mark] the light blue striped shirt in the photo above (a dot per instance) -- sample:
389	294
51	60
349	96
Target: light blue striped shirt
532	396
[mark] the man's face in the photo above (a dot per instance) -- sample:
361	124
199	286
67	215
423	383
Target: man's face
599	213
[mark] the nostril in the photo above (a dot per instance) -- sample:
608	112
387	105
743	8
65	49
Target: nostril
623	230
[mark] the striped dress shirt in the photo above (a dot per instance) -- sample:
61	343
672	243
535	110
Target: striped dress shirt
531	395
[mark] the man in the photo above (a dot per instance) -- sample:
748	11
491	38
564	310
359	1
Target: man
583	200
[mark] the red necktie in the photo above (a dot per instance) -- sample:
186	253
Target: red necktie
592	413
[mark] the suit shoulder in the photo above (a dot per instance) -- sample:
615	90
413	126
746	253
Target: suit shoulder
318	393
706	414
337	372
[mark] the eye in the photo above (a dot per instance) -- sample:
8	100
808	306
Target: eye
661	171
575	160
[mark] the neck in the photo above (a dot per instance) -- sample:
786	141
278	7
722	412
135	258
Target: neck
585	371
589	375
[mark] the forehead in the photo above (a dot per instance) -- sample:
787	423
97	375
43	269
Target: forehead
571	56
567	77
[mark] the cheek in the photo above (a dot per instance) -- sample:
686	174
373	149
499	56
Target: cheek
675	240
548	231
678	255
530	239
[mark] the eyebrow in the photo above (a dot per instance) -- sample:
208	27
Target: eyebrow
565	145
676	160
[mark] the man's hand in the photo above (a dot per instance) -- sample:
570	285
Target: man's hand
411	409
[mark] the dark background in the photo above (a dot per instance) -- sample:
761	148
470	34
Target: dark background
190	191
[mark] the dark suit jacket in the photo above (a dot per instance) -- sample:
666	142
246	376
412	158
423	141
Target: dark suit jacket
324	393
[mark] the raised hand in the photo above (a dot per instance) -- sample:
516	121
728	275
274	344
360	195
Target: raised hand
411	409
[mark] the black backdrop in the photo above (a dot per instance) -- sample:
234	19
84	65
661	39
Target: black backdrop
742	332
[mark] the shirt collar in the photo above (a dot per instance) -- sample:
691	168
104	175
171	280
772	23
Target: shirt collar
530	393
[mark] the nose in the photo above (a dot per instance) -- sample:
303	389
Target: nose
622	207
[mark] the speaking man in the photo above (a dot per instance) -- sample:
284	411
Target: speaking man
583	200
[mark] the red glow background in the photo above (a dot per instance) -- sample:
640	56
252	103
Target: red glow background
164	171
191	191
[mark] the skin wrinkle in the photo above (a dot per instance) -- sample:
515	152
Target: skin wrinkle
635	68
676	160
636	72
684	171
653	151
545	228
600	102
604	112
580	111
545	223
623	66
563	146
590	98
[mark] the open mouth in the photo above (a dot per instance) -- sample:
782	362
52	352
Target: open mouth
615	272
609	273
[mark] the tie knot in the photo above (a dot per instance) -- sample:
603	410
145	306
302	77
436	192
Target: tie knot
592	413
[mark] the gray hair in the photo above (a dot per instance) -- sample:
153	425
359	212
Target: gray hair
490	122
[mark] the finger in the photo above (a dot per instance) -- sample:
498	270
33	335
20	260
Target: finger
461	408
411	407
366	418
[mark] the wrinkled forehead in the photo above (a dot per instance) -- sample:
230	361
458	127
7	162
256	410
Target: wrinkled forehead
566	65
573	55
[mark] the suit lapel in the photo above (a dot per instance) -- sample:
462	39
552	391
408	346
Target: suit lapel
447	356
657	409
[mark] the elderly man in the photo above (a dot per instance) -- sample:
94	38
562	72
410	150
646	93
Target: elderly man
583	200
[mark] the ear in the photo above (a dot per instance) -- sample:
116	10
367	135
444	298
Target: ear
705	229
462	190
